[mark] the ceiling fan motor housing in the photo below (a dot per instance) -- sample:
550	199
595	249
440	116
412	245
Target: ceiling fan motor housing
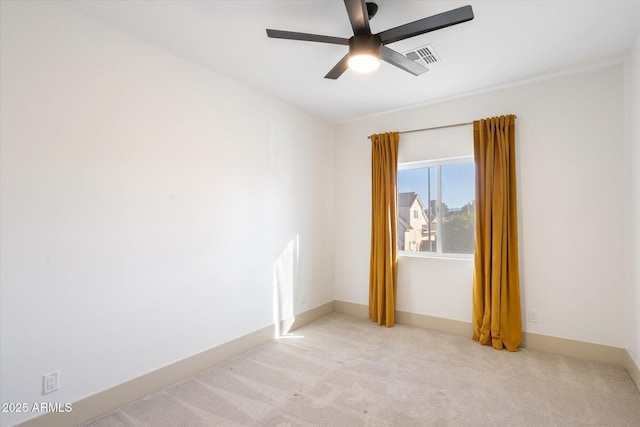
365	44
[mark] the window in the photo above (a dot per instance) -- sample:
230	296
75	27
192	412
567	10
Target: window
436	207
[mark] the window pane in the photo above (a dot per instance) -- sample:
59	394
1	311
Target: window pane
458	208
416	210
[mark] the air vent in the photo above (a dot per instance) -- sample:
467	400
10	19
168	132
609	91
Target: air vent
424	55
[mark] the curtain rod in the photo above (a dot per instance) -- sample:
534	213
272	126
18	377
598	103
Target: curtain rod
435	127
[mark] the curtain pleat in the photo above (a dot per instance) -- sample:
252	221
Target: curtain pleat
496	284
384	225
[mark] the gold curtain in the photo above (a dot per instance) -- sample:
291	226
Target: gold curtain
384	227
496	283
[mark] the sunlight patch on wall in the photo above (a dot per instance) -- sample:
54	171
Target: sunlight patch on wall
285	275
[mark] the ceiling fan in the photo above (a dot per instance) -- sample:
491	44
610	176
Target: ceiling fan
366	49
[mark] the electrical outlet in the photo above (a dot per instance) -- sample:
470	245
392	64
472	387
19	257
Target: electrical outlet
532	316
51	382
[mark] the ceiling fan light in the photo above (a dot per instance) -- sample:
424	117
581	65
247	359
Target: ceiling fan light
363	62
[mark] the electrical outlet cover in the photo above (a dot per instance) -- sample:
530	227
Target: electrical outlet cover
51	382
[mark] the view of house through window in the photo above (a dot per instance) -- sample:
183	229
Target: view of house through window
436	208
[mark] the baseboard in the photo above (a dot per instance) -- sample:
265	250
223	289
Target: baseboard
633	369
449	326
312	315
350	308
289	325
574	348
532	341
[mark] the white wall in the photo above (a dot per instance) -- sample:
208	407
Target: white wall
148	206
570	169
632	209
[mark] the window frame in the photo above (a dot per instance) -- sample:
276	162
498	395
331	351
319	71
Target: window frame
437	164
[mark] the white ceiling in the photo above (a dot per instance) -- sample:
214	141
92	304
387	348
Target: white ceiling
507	42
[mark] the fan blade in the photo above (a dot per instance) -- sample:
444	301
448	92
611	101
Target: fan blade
339	68
358	16
425	25
401	61
291	35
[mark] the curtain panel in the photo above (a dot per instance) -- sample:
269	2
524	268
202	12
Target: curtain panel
496	284
384	226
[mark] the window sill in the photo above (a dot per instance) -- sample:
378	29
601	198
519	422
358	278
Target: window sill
430	255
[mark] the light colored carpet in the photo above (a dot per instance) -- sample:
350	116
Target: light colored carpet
347	371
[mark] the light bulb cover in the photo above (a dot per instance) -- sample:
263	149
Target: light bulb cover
364	53
363	63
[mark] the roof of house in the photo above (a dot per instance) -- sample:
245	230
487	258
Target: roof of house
405	200
405	224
